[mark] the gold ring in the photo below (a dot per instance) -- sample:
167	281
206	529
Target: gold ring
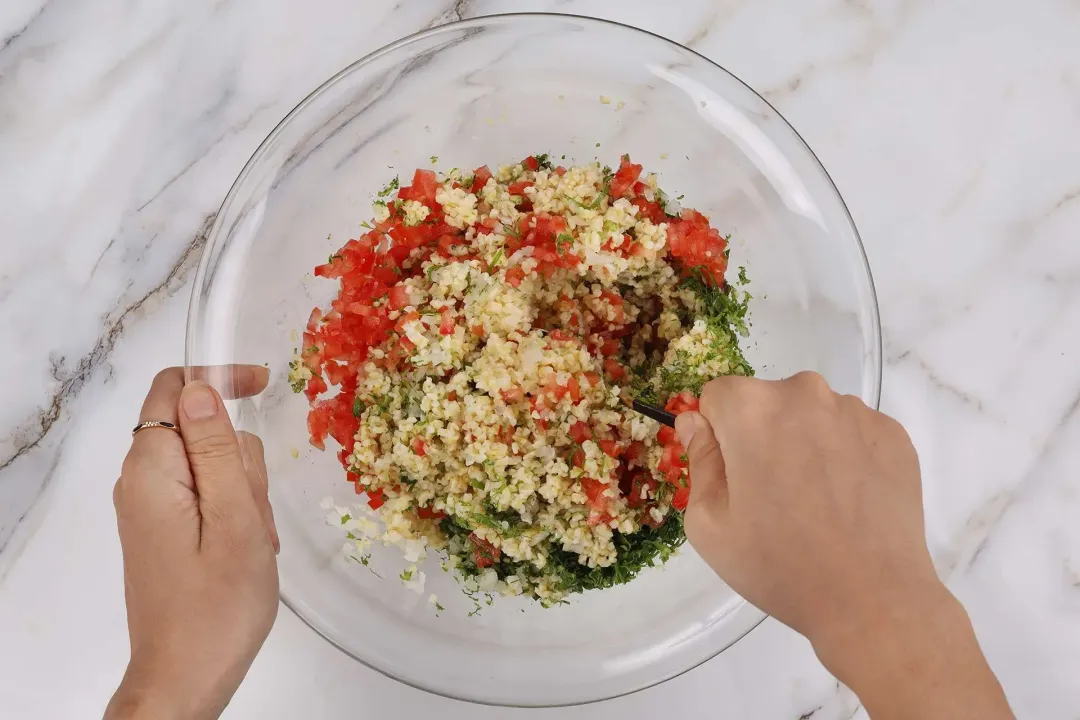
155	424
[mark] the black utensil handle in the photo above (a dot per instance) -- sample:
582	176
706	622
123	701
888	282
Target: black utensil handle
651	411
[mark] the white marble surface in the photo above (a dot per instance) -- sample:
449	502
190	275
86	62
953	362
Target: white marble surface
952	128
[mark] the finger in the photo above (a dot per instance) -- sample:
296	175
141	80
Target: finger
153	449
251	448
232	381
225	498
161	401
708	478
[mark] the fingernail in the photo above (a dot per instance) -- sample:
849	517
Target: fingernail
198	401
686	426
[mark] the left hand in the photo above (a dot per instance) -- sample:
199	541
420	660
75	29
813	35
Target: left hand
199	544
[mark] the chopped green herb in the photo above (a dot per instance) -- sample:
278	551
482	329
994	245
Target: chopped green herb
406	575
562	242
358	407
497	257
434	159
390	187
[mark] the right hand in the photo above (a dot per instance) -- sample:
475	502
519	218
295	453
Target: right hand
808	503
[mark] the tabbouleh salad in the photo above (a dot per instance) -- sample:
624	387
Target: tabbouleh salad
475	369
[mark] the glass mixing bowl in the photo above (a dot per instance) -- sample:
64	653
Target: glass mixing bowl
489	91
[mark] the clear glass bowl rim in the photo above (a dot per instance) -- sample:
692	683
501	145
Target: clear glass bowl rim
217	235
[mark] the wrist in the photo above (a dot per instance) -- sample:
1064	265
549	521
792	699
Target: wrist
903	638
140	697
133	703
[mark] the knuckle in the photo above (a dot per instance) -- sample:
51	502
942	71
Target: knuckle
716	393
811	381
214	446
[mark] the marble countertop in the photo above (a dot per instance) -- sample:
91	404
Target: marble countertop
950	128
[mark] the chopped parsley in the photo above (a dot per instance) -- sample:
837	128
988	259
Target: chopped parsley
390	188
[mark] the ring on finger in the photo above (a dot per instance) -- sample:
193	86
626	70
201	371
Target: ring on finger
155	424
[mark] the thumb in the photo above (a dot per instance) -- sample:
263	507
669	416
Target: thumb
225	499
708	479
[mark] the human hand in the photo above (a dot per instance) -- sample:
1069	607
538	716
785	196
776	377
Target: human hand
809	504
199	544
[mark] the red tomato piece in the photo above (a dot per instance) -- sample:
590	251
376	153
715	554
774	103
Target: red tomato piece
610	448
423	188
562	336
580	432
426	513
484	553
573	388
614	370
665	435
480	177
398	297
684	401
681	498
318	424
593	378
635	453
518	188
625	177
577	458
419	447
531	163
446	322
376	498
514	276
512	395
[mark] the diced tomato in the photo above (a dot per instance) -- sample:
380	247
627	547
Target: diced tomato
625	177
682	402
681	498
594	492
531	163
426	513
580	432
398	297
315	386
610	448
515	275
650	210
593	378
318	424
424	186
577	458
478	330
376	498
562	336
480	177
512	395
614	369
698	246
641	488
560	171
419	447
665	435
573	388
635	453
518	188
484	553
446	322
616	301
672	463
